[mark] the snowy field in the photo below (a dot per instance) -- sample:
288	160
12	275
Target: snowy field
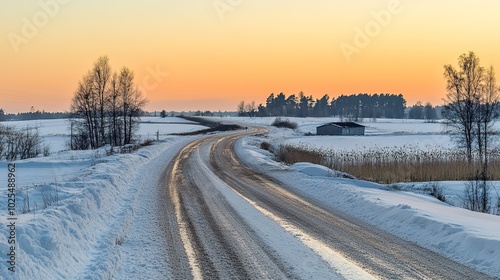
382	133
468	237
63	164
380	126
57	132
95	201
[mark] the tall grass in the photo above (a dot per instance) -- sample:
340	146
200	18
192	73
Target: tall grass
394	164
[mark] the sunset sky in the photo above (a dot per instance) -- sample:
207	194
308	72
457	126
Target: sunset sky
208	55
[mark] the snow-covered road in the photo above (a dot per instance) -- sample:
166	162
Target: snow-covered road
222	235
227	217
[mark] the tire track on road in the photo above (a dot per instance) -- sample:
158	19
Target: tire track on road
209	235
382	254
211	240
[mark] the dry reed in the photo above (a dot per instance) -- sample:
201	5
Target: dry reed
394	164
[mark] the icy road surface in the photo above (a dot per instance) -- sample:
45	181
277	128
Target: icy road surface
224	220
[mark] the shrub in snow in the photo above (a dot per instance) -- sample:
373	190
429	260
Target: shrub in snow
284	123
19	144
476	196
147	142
437	191
265	146
46	150
290	155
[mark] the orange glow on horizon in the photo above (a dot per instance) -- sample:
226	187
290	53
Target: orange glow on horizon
216	58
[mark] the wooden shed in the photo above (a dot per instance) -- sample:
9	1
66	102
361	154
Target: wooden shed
341	128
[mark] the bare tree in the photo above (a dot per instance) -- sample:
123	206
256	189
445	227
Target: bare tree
464	90
241	108
476	196
487	115
250	109
126	86
83	112
23	143
105	107
114	103
253	109
101	74
3	140
132	103
490	100
9	142
473	100
137	102
29	143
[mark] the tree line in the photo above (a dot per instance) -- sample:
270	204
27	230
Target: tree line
34	115
419	111
349	107
105	107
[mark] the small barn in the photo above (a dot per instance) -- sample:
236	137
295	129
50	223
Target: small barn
340	128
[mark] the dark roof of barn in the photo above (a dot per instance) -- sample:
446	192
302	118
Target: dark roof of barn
343	124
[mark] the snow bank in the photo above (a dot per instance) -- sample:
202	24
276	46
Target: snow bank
316	170
53	242
468	237
312	169
82	232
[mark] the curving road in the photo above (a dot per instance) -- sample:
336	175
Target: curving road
218	215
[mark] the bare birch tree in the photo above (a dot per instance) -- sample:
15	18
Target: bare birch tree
464	90
101	74
105	107
241	108
132	103
471	110
82	108
114	102
490	100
